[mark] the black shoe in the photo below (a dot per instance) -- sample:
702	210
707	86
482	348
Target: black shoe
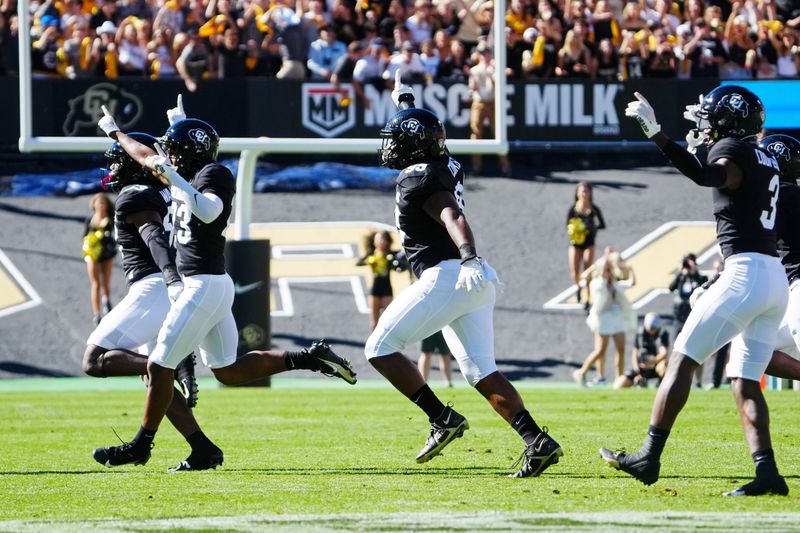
448	426
760	487
538	455
200	461
96	320
187	381
642	468
125	453
330	364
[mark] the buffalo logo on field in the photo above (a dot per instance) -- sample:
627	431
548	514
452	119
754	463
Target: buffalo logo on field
324	110
200	137
86	109
737	104
412	126
779	150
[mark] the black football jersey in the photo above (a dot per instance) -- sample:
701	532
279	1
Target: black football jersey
425	240
788	227
201	246
137	262
746	216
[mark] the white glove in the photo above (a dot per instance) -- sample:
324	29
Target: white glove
696	294
176	114
107	124
174	291
643	112
400	89
471	275
694	140
691	111
162	166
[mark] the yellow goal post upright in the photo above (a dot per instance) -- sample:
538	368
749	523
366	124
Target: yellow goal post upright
250	148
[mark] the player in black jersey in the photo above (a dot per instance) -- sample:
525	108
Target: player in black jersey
201	316
150	271
785	361
786	149
747	302
451	293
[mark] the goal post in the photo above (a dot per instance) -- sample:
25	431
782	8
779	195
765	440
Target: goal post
250	148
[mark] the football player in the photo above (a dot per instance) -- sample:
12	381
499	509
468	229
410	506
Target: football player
201	315
786	149
748	300
454	291
151	274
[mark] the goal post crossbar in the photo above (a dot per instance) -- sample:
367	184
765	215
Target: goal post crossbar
251	147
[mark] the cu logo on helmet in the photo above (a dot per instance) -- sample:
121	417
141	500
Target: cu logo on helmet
412	126
200	137
778	149
736	103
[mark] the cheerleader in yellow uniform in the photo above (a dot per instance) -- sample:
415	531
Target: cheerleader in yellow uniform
382	260
99	249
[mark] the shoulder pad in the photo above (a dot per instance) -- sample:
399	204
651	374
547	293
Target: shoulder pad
214	176
134	198
413	177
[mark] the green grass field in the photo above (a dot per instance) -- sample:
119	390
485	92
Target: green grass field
303	457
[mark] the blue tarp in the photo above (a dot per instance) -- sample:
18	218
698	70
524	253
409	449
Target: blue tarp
269	178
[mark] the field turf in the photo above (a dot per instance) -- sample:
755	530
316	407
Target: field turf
314	455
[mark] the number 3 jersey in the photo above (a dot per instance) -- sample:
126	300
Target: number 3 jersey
201	246
425	239
137	262
746	216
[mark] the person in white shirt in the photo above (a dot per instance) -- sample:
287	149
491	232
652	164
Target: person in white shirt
407	61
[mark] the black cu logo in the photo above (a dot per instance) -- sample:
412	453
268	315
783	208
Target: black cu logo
737	104
201	137
412	126
778	149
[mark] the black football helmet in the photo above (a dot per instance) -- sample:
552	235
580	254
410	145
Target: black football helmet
730	111
191	144
786	150
123	169
411	136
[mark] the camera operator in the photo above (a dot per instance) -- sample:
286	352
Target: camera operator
686	281
649	355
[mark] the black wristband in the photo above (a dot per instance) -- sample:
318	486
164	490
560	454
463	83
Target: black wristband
170	275
467	252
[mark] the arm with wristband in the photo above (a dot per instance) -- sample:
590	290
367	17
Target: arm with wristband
151	228
206	206
722	173
443	208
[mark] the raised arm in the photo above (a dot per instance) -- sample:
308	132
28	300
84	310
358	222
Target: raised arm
721	174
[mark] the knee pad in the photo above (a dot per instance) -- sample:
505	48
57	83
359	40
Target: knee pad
477	368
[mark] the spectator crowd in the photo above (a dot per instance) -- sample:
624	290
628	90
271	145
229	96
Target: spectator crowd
366	41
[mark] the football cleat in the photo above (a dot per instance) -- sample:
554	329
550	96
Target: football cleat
448	426
538	456
125	453
642	468
187	381
200	461
329	363
759	487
